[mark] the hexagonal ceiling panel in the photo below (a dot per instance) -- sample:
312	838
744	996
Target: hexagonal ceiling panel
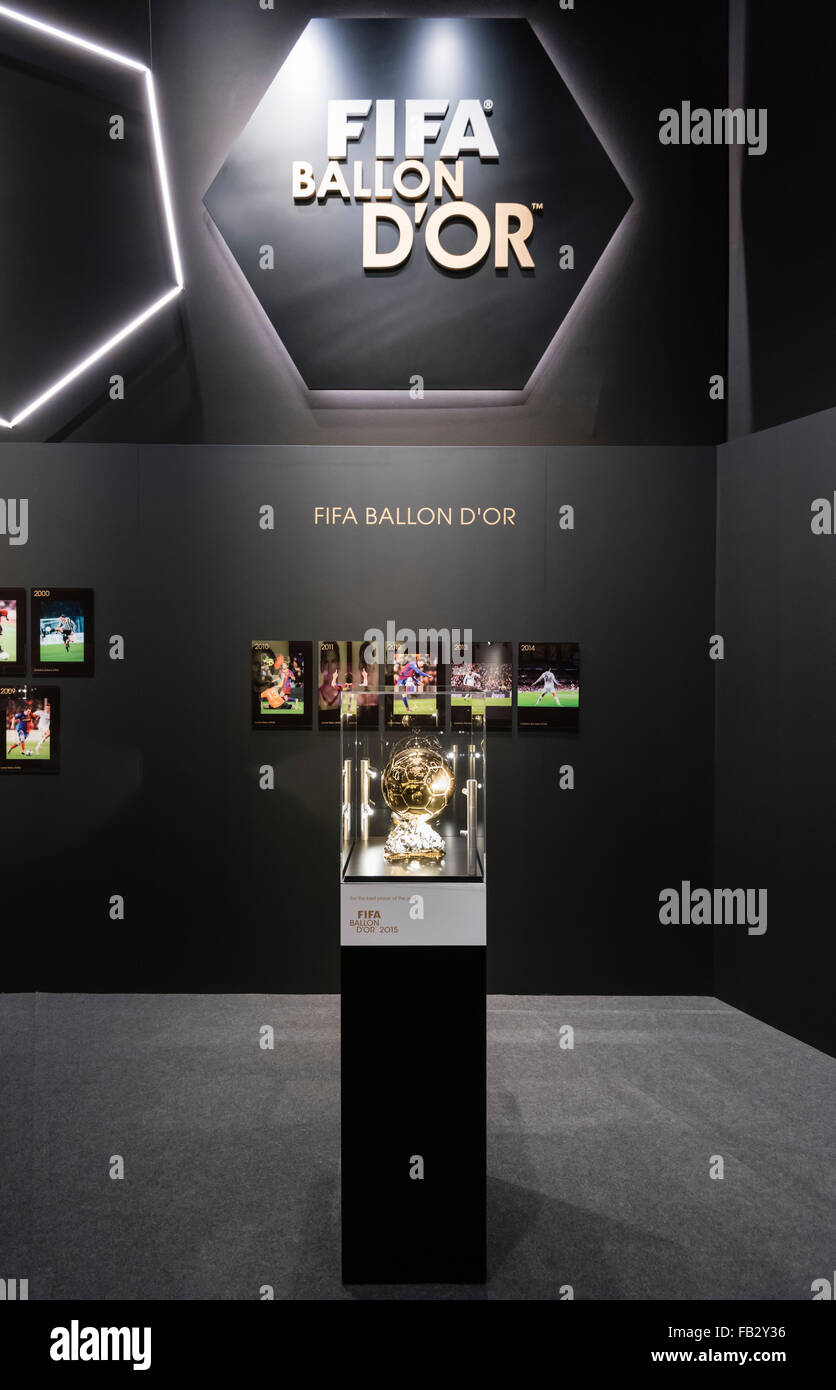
353	329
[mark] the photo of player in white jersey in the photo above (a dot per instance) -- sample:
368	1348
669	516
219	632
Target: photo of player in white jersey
481	686
12	632
8	630
42	728
66	629
62	632
548	686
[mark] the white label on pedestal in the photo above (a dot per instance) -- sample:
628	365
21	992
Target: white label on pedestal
417	914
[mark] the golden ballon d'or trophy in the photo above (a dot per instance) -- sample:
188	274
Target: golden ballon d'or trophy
416	784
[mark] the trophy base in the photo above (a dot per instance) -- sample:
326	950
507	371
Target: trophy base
413	839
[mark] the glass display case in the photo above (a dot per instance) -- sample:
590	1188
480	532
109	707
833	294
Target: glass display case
412	803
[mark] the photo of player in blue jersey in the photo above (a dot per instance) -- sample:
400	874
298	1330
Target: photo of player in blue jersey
412	681
280	674
30	722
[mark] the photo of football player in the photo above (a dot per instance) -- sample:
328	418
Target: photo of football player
548	689
44	719
411	677
28	727
22	721
8	630
12	633
280	684
66	628
283	689
367	672
62	631
335	676
412	680
481	690
343	690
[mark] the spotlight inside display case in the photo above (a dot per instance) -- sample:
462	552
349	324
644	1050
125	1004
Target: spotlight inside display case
413	799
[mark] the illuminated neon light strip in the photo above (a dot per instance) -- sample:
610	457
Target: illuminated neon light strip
109	55
17	18
162	174
96	355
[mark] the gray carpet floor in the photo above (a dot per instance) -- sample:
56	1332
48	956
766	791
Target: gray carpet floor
598	1157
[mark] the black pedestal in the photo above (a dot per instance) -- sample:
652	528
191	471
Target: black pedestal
413	1098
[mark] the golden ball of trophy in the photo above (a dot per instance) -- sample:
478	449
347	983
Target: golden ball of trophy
417	784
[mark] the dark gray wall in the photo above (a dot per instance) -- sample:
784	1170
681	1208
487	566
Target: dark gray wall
157	795
232	888
776	695
632	361
781	273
